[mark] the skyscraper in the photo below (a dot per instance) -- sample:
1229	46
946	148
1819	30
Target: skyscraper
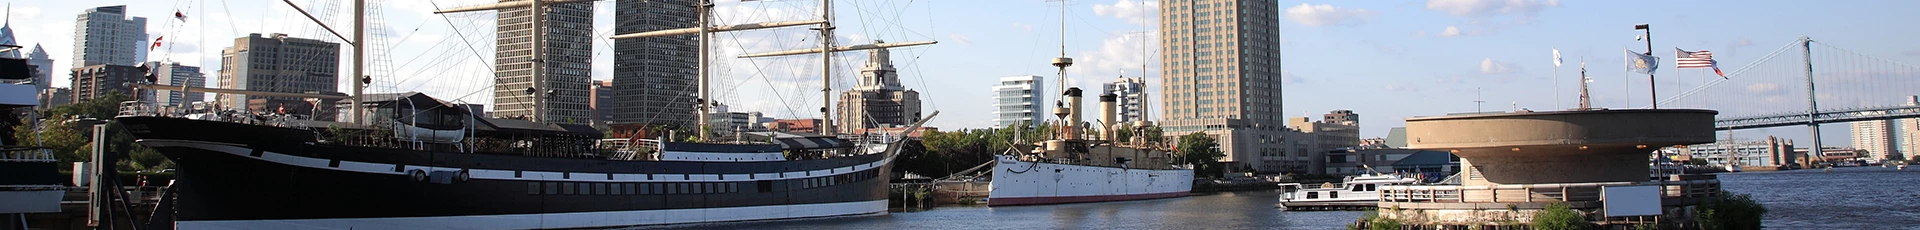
1221	75
278	63
174	74
105	35
1910	133
1019	100
601	98
878	101
42	67
1876	137
564	78
655	79
1130	98
6	38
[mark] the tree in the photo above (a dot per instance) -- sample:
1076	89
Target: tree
71	141
1201	151
1559	216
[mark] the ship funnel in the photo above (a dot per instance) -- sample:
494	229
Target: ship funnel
1108	123
1072	125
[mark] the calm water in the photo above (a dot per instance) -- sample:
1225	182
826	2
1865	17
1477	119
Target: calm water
1847	198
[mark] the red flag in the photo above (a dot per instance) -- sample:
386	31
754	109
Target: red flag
179	15
156	42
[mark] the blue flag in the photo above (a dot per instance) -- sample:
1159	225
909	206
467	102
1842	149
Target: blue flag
1642	63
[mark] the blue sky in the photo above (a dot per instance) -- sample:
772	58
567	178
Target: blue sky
1386	60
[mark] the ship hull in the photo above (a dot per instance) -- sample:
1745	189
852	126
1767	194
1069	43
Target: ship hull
256	182
1018	182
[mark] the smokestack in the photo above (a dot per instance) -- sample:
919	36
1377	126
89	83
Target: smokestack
1107	111
1073	113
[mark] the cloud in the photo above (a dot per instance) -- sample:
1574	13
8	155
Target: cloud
961	38
1912	53
1383	48
1138	13
1451	31
1023	27
1488	66
1327	15
1763	88
1118	55
1288	77
1486	8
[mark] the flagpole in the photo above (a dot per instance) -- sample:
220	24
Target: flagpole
1556	81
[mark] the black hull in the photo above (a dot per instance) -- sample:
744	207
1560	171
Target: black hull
237	172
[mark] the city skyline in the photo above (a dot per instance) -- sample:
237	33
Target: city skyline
1434	53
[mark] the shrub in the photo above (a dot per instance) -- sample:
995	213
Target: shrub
1559	216
1731	211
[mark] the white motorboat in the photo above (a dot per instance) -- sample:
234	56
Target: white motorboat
1354	192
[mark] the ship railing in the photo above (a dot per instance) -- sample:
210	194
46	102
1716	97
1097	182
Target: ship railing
28	154
1534	193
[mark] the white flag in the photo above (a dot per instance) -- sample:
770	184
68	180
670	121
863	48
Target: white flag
1556	57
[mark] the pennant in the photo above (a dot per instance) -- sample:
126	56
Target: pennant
180	15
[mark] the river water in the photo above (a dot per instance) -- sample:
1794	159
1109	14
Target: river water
1847	198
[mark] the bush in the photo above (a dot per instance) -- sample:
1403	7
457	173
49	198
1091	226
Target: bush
1559	216
1374	222
1731	211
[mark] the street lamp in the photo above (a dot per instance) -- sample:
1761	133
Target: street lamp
1652	87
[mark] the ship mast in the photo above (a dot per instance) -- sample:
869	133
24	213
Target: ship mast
826	68
537	14
705	105
359	60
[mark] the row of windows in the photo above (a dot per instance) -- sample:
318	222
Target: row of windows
573	188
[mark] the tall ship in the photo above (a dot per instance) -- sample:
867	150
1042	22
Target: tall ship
411	161
1073	167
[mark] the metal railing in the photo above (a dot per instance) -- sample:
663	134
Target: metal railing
1530	193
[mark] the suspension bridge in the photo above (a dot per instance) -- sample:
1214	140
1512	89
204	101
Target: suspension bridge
1807	83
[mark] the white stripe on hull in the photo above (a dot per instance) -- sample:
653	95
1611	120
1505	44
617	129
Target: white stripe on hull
561	220
381	168
1018	179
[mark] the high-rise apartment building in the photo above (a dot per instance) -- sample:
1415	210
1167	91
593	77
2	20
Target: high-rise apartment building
1875	137
878	101
655	79
174	74
1220	74
1909	132
105	35
97	81
1019	100
568	65
1130	98
278	63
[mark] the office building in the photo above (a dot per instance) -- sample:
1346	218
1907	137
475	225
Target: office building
1327	135
51	97
1220	74
1773	152
655	78
42	68
878	101
106	36
599	101
277	63
174	74
1909	133
1019	100
564	77
1344	117
98	81
1130	98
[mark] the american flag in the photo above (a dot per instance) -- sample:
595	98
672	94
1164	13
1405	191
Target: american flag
1696	59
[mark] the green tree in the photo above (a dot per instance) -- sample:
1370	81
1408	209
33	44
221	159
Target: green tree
1201	151
71	141
1559	216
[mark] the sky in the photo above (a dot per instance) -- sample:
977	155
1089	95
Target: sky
1386	60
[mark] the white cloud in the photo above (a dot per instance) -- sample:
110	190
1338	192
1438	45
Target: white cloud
1117	55
1138	13
961	38
1451	31
1489	66
1327	15
1482	8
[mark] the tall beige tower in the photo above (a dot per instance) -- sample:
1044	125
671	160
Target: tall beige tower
879	101
1909	145
1875	137
1220	72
